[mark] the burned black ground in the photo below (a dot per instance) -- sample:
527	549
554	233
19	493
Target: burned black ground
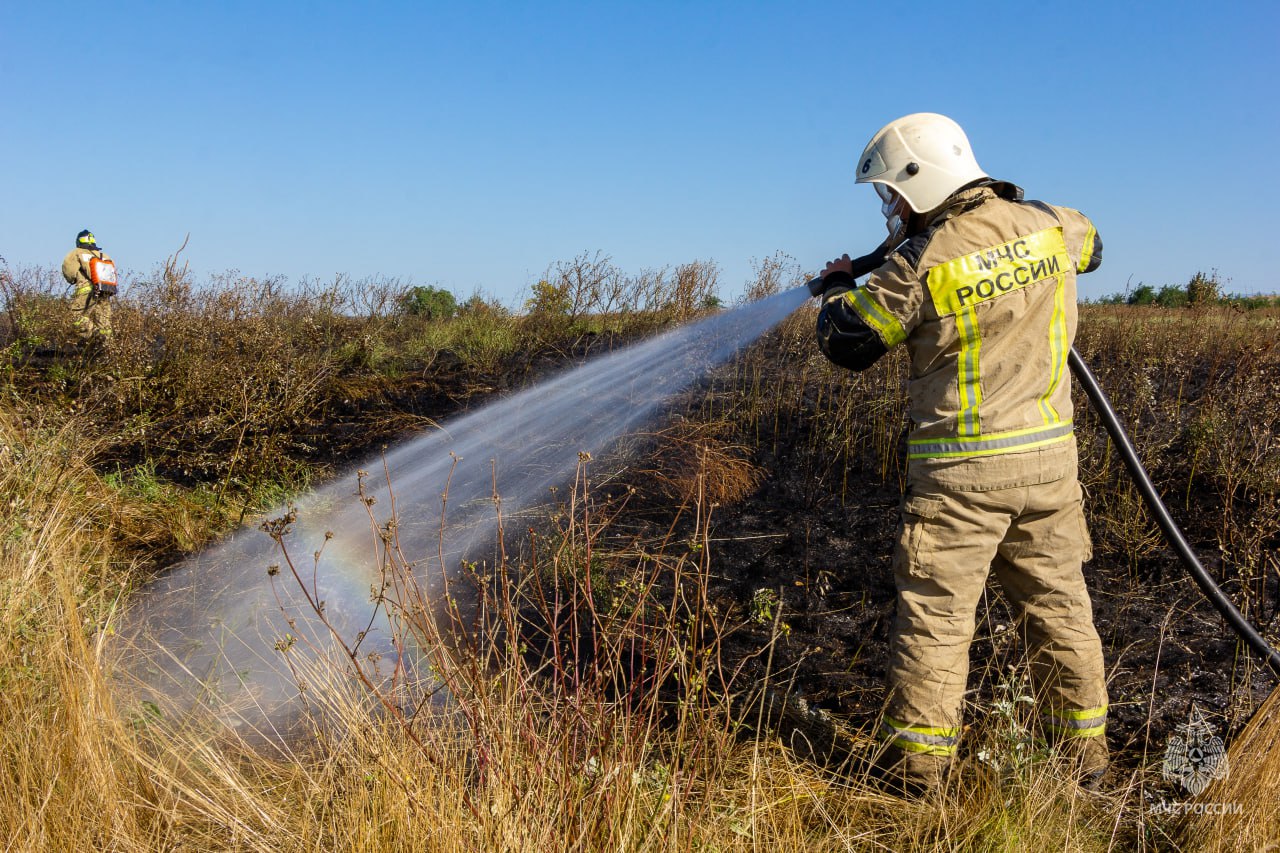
828	568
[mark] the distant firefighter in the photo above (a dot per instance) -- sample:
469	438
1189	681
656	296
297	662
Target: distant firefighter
93	274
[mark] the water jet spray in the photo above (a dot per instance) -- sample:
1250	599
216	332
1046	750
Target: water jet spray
227	630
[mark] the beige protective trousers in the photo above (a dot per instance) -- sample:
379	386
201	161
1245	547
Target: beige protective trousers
956	528
90	314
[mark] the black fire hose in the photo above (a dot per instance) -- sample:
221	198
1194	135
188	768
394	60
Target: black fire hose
1172	534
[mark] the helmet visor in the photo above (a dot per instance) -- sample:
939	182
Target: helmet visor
893	208
891	204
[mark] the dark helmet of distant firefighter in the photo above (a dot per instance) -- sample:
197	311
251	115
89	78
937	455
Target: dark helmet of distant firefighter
85	240
916	163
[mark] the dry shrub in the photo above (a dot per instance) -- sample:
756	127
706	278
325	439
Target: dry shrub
34	312
234	373
773	274
694	287
693	461
589	292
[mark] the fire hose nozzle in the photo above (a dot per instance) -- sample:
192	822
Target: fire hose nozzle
860	267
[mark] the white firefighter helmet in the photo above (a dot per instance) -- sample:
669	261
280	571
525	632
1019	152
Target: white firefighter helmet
922	158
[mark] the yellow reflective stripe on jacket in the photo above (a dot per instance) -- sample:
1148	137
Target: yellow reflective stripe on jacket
971	279
924	739
885	324
1086	251
985	445
969	370
1057	352
1089	722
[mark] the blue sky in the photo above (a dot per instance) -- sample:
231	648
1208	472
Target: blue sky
472	145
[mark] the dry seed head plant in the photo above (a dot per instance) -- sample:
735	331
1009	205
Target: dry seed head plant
617	687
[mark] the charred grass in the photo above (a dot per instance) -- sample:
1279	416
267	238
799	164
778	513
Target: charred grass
658	665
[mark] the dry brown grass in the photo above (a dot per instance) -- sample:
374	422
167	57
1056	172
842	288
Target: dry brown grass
567	763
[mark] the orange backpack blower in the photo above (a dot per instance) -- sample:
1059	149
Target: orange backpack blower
102	274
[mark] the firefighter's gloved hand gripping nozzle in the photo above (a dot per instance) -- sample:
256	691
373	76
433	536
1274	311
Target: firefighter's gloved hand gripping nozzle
861	266
821	288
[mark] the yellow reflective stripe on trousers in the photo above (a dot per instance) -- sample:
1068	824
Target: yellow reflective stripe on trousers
925	739
885	324
1057	351
986	445
969	372
1086	251
1089	722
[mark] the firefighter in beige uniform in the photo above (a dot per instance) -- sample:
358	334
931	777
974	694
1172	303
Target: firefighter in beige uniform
92	273
981	287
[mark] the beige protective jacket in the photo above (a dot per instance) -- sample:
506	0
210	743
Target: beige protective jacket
985	300
75	268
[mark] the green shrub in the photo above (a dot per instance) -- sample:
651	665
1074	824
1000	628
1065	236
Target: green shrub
1143	294
434	303
1253	303
1171	296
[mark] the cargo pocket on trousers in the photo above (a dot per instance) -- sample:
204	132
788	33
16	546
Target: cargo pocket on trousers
915	547
1086	542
